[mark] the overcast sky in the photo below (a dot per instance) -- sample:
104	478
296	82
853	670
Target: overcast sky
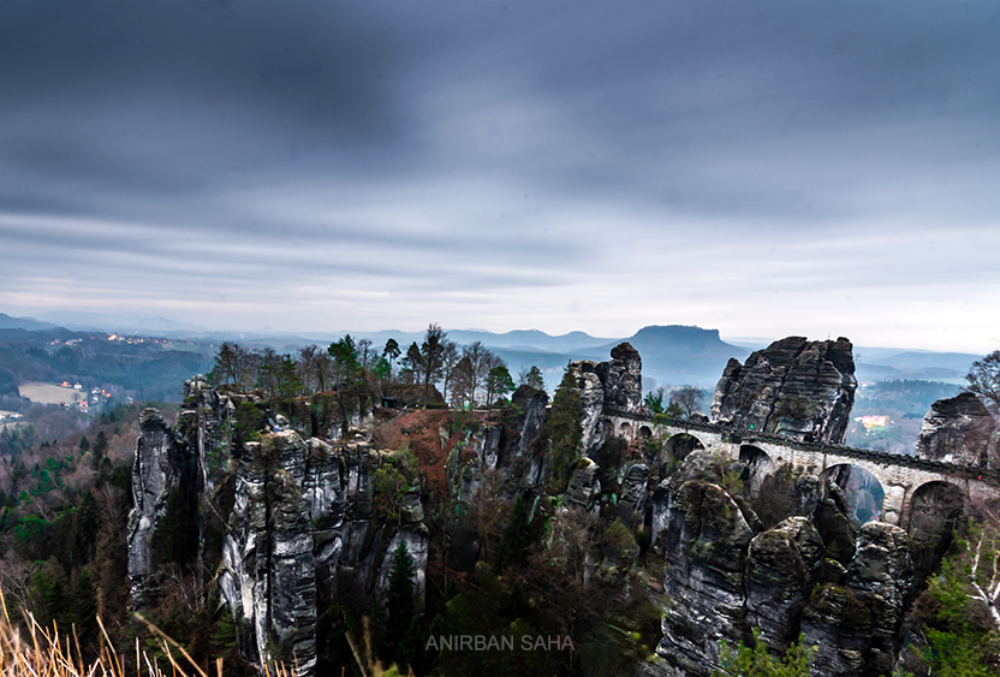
765	168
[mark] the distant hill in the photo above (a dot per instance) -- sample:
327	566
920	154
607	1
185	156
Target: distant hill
119	322
529	340
26	323
925	360
680	355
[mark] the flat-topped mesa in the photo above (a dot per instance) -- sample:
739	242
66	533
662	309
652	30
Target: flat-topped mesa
795	387
957	430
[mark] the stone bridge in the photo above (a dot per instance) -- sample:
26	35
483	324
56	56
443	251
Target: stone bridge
902	477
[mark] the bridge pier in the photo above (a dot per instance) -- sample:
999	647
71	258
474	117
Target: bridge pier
894	504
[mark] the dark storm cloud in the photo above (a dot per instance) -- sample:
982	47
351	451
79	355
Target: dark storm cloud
535	154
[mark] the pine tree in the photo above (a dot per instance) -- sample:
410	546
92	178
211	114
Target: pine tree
401	609
565	429
516	539
100	446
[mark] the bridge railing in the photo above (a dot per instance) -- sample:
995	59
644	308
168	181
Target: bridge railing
743	435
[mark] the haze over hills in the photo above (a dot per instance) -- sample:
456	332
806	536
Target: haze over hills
25	323
672	355
118	322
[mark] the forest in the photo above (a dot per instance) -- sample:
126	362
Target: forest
536	569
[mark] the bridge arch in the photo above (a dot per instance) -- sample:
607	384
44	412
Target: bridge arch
625	430
758	465
645	432
678	446
863	490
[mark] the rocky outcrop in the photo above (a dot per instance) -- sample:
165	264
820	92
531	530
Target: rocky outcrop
592	404
855	623
634	492
616	384
839	625
304	526
205	424
706	545
699	466
881	575
269	579
163	475
584	490
782	566
836	522
622	378
531	403
957	430
794	387
935	512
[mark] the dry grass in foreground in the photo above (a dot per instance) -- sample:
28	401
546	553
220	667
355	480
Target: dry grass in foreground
45	653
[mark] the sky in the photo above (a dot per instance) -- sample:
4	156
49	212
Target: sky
764	168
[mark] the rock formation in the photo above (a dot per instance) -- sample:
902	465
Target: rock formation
532	403
935	512
162	476
304	525
803	389
616	384
881	575
706	546
957	430
782	566
622	378
310	523
584	488
269	579
592	401
726	574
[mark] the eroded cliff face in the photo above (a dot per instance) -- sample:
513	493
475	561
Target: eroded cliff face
706	543
794	387
621	378
313	522
615	384
303	528
782	566
845	586
163	475
957	430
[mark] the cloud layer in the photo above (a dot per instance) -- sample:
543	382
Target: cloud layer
765	168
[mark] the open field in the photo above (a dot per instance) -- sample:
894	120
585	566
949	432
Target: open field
48	393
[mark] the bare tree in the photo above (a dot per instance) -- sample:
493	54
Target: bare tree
366	354
688	399
315	367
984	381
268	364
481	360
235	365
462	380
